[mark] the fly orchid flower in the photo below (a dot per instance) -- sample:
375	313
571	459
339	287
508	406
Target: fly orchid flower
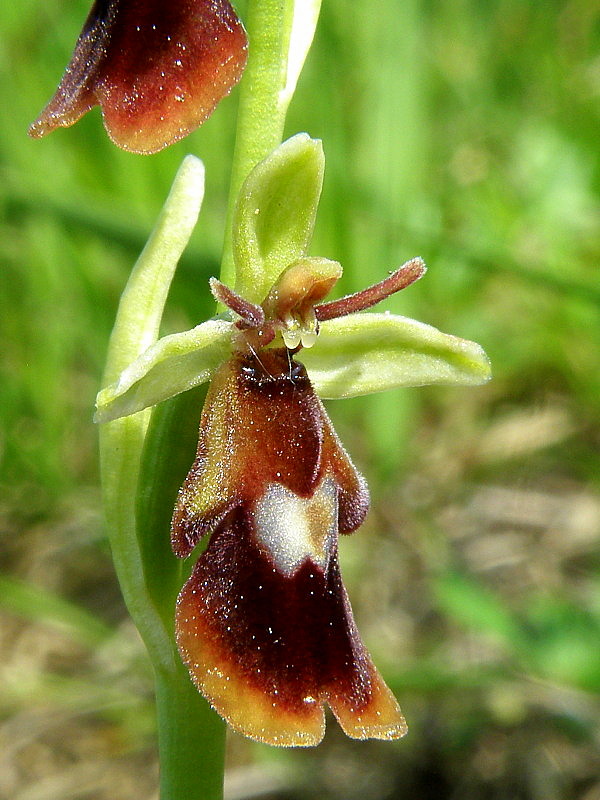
264	623
157	69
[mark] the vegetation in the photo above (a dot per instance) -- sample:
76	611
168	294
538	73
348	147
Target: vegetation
466	133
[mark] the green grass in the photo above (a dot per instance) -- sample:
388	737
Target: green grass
465	132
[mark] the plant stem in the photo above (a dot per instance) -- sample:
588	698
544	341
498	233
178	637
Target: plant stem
191	739
191	735
280	33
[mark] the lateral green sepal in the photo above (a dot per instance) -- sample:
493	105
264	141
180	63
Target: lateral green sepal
172	365
365	353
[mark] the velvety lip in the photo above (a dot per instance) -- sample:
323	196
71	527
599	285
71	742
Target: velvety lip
264	623
268	650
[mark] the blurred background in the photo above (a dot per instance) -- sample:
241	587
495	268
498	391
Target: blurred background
463	131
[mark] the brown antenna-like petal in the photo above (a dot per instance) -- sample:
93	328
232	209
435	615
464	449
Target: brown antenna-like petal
157	68
252	315
367	298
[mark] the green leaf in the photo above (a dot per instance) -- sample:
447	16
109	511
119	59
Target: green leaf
172	365
275	214
365	353
169	449
121	441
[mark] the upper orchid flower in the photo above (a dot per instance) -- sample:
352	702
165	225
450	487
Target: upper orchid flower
264	623
157	69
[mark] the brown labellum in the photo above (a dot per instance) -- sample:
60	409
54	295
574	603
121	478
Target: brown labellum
157	69
264	623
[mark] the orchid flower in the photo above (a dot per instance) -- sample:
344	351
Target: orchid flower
264	623
157	69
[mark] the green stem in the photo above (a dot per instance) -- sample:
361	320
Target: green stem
280	33
191	735
191	739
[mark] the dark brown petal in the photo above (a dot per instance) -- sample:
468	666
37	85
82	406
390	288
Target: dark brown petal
268	644
261	424
157	69
252	315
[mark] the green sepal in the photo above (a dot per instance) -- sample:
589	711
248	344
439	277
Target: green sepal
365	353
275	214
172	365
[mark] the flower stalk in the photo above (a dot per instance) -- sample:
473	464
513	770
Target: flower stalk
280	32
191	740
137	457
